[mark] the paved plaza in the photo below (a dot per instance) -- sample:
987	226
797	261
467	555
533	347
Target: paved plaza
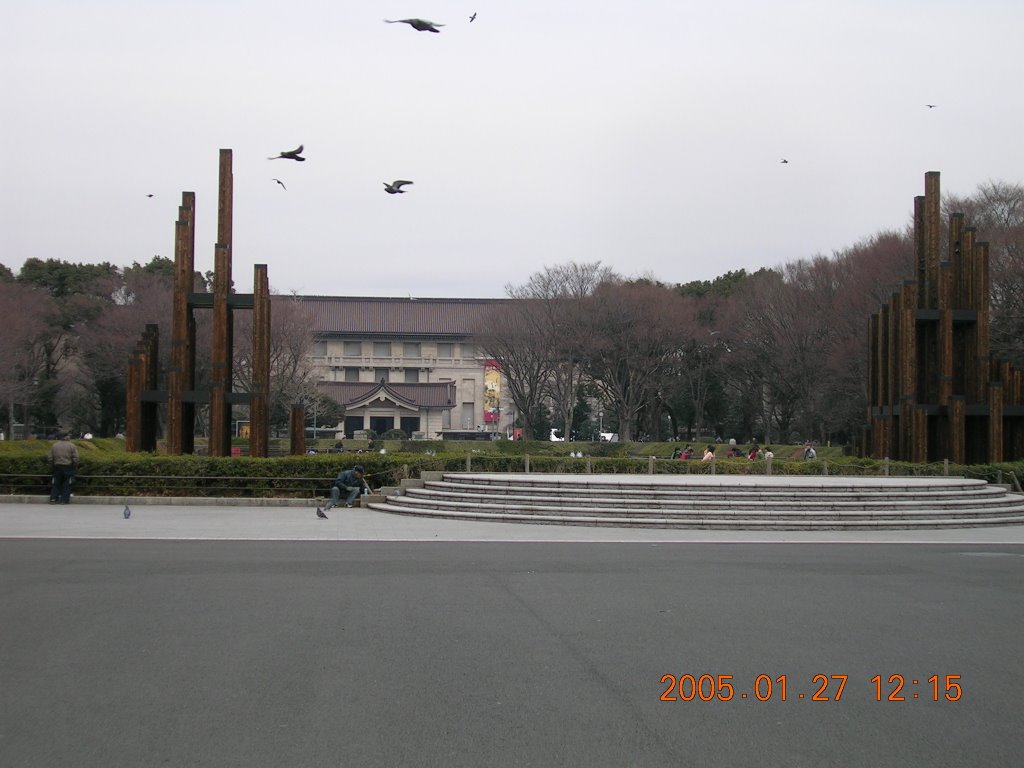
259	636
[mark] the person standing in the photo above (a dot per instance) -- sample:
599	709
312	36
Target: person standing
63	464
350	482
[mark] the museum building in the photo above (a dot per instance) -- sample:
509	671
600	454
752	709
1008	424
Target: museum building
409	364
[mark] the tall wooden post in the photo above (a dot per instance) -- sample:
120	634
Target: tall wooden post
221	364
181	374
297	430
259	406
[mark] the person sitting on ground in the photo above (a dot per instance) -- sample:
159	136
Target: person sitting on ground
809	452
767	453
754	451
709	453
686	454
63	463
351	483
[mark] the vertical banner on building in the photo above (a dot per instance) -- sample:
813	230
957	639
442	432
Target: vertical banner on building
492	392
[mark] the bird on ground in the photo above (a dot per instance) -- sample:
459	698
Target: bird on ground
395	187
783	160
127	512
420	25
473	17
281	183
931	106
290	155
320	514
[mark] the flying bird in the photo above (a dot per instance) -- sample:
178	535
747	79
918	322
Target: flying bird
395	187
281	182
290	155
420	25
149	195
473	17
783	160
127	512
320	514
931	106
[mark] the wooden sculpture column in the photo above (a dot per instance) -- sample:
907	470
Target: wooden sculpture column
221	371
259	405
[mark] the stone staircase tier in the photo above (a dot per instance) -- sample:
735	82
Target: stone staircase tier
716	501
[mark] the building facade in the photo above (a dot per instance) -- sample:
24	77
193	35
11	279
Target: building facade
409	364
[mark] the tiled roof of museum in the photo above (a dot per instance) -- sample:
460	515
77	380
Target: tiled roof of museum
344	315
424	395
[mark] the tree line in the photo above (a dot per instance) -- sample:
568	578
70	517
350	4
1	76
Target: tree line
776	354
779	354
70	331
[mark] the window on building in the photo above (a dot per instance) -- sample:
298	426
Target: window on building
351	373
319	349
468	413
445	350
412	375
382	374
382	349
353	349
411	349
468	351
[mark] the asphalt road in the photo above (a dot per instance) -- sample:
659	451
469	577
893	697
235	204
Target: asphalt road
213	653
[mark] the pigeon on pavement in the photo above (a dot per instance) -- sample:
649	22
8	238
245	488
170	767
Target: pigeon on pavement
320	514
127	512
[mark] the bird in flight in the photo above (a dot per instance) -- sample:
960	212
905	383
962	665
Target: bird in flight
473	17
420	25
783	160
290	155
320	514
395	187
149	195
931	106
280	182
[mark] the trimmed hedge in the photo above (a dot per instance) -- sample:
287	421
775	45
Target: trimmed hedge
112	473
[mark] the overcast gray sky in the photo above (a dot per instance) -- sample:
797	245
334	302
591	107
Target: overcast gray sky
646	135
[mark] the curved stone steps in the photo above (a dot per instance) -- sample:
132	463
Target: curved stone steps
720	500
700	501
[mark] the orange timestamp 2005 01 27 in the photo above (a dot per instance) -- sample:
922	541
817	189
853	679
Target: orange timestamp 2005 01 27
821	688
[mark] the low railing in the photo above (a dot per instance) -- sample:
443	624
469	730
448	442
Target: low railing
313	486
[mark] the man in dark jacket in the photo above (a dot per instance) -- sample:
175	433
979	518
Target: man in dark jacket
63	463
349	482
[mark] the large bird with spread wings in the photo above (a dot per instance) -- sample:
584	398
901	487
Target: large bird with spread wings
292	154
395	187
420	25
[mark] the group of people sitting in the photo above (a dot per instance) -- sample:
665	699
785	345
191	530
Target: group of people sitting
734	452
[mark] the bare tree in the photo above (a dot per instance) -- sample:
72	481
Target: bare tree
95	395
635	334
292	373
512	334
27	316
557	296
